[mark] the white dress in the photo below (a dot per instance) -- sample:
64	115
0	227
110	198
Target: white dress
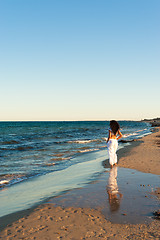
112	146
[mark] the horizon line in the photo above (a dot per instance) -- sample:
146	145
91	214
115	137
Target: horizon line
85	120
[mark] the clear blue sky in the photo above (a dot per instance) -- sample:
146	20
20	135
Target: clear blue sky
79	59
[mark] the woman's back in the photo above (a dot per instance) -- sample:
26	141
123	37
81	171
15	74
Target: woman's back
112	135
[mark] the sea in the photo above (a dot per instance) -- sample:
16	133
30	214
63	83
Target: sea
42	159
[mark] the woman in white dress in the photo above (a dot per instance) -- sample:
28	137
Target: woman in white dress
112	141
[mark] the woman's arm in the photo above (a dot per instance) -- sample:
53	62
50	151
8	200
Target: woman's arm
120	135
109	135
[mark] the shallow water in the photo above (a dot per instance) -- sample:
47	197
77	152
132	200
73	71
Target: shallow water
35	190
134	202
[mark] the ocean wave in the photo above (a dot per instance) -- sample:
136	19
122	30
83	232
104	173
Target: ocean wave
10	142
3	182
50	164
24	148
10	179
88	150
128	135
84	141
17	148
137	134
59	159
57	154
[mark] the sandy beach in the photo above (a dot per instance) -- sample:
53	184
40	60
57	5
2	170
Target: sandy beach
146	156
49	222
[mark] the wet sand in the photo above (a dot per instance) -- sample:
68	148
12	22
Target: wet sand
49	222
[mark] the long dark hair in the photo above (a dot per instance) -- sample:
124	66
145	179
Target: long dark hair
114	125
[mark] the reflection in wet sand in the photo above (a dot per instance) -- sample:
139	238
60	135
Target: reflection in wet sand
114	196
105	195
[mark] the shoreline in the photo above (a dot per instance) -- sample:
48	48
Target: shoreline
48	210
12	217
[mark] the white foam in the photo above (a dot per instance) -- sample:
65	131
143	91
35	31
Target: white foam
2	182
83	141
130	134
88	150
138	133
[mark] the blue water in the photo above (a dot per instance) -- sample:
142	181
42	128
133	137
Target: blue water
31	149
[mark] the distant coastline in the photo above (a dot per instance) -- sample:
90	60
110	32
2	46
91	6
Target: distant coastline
155	122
